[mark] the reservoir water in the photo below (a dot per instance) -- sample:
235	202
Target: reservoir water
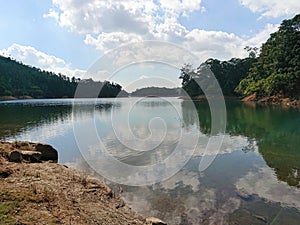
254	177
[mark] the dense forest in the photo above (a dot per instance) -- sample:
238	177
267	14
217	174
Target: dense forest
275	71
228	73
19	80
157	91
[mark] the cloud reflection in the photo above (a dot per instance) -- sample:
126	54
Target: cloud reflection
266	185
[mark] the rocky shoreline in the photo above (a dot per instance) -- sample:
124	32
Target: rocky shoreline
279	100
273	100
7	98
34	189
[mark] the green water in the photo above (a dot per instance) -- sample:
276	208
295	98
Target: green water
254	178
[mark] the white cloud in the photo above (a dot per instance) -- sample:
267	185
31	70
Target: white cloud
271	8
111	40
30	56
222	45
51	14
107	25
175	8
263	35
216	44
205	44
97	16
170	31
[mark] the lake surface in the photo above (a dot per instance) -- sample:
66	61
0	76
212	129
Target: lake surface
253	179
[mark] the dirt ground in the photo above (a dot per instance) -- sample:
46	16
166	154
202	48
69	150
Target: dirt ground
49	193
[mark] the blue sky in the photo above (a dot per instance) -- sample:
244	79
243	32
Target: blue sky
69	36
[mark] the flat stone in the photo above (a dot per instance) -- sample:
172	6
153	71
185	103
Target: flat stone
154	221
31	156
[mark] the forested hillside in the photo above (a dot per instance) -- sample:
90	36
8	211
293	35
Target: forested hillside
157	91
277	70
228	73
17	80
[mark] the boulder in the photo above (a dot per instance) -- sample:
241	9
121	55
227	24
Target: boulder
47	152
14	156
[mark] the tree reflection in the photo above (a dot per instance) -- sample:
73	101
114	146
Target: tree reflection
275	129
16	118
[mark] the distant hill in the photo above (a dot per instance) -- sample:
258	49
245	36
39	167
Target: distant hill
17	80
157	91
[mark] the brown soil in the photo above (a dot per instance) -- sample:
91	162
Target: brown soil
49	193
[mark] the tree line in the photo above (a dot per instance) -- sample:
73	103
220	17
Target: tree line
276	70
17	80
157	91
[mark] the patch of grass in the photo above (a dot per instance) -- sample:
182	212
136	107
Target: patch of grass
6	211
13	205
19	196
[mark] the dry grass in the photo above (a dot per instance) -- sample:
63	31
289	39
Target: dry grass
48	193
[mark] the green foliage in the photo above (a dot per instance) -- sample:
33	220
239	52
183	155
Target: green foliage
252	51
189	84
228	74
17	79
275	71
92	89
6	211
278	67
